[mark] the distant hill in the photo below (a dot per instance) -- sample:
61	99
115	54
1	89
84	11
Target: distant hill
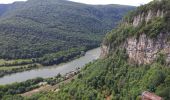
37	27
3	8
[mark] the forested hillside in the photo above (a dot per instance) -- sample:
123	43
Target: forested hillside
120	75
37	27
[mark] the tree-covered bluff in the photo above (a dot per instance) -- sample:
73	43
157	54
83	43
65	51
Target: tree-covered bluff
144	33
150	19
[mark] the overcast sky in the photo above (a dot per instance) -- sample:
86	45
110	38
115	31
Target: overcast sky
124	2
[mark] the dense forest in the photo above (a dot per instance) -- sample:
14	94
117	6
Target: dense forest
37	27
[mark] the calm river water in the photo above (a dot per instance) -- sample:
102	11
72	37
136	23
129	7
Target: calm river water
52	71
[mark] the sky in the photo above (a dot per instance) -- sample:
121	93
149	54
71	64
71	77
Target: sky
9	1
123	2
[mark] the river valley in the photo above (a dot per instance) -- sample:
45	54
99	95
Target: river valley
51	71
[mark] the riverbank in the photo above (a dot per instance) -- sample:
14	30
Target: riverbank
51	71
8	67
33	86
15	69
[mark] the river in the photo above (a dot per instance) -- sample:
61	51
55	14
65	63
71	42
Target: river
52	71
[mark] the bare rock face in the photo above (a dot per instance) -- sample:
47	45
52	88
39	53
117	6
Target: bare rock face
104	51
145	50
146	17
138	19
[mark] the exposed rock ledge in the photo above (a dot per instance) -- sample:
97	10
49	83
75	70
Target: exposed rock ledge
147	16
145	50
104	51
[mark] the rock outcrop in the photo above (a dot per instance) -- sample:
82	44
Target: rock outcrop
145	50
104	51
146	17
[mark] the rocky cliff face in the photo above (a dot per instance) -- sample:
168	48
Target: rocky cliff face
145	50
104	51
147	16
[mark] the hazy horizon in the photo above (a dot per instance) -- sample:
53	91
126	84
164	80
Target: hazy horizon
97	2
